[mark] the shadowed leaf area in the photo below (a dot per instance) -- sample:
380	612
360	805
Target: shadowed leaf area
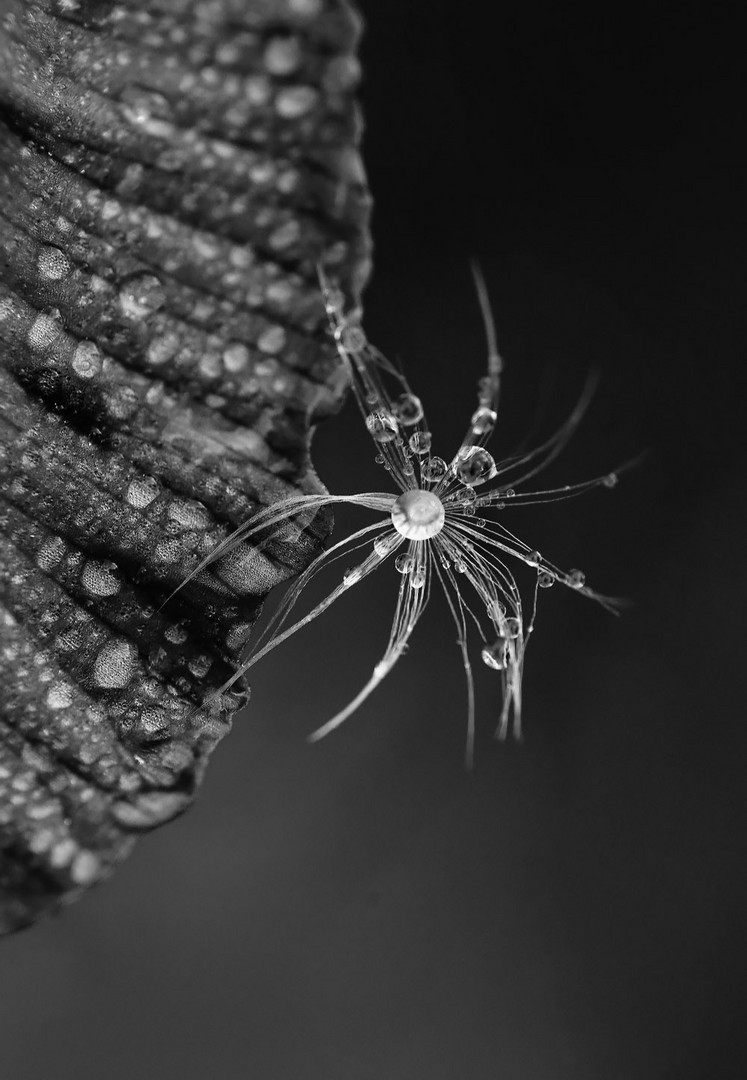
171	175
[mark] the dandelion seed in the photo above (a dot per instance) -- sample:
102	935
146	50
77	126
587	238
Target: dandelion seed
431	515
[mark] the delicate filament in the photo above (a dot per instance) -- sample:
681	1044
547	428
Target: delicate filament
436	518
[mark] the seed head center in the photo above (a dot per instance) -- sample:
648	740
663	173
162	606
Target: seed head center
418	515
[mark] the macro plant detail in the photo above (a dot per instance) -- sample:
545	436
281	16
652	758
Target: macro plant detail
444	526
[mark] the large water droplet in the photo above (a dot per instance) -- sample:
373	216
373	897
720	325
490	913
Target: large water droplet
475	465
385	545
408	409
434	469
576	578
512	627
351	337
483	420
545	581
404	564
495	655
382	426
417	579
534	558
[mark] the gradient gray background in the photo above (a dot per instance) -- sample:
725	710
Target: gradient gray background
364	909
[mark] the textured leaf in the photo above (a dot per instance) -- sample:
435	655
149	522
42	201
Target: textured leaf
171	174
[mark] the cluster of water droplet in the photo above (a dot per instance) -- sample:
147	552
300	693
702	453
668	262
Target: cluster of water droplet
408	564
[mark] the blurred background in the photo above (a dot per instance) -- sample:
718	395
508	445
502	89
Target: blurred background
573	908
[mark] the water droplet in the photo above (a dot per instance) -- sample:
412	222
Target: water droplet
466	496
475	465
236	357
576	578
114	664
508	493
100	578
460	566
545	580
433	469
141	295
534	558
385	545
382	426
334	301
404	564
420	442
512	627
610	480
53	264
483	420
351	337
87	360
176	633
495	655
417	579
351	575
408	409
496	610
59	695
142	492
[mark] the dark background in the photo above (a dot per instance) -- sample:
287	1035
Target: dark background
573	908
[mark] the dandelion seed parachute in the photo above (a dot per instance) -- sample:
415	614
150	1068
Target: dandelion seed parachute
432	517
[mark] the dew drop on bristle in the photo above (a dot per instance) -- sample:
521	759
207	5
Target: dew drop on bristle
382	426
496	609
465	497
417	579
512	627
610	480
475	466
404	564
334	301
483	420
495	655
545	581
384	545
460	567
434	469
408	409
420	442
576	578
351	575
352	338
534	558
